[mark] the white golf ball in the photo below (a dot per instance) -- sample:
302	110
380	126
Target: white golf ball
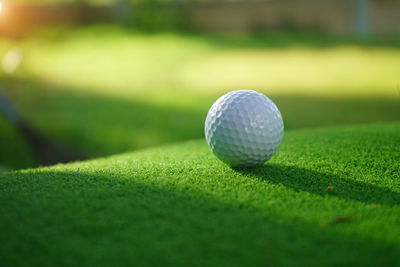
244	128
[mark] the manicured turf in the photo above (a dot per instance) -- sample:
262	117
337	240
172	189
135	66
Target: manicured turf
330	197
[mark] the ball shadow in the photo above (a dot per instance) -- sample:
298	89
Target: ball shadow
323	184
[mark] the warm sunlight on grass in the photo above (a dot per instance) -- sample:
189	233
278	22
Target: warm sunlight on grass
130	64
300	70
178	205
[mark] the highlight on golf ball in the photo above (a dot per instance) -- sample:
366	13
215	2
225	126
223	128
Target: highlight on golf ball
244	128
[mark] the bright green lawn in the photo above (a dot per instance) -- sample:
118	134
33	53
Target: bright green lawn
108	60
103	90
178	205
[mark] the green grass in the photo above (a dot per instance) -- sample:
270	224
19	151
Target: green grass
178	205
15	152
100	125
118	62
103	90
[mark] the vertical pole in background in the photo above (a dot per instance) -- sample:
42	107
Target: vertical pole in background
47	151
362	18
8	109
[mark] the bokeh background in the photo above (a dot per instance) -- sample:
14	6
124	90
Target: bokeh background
87	78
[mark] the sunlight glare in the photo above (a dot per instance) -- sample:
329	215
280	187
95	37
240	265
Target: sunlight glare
12	60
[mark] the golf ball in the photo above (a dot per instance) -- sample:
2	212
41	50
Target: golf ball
244	128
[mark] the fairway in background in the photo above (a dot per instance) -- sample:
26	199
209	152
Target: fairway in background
104	90
110	60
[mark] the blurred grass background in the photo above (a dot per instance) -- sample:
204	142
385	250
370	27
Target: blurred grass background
102	88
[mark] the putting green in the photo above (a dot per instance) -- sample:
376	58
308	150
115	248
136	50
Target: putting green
331	196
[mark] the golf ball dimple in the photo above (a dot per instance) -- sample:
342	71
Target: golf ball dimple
244	128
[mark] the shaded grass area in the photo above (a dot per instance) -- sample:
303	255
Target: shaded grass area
310	111
321	183
178	205
265	39
285	39
99	125
15	153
